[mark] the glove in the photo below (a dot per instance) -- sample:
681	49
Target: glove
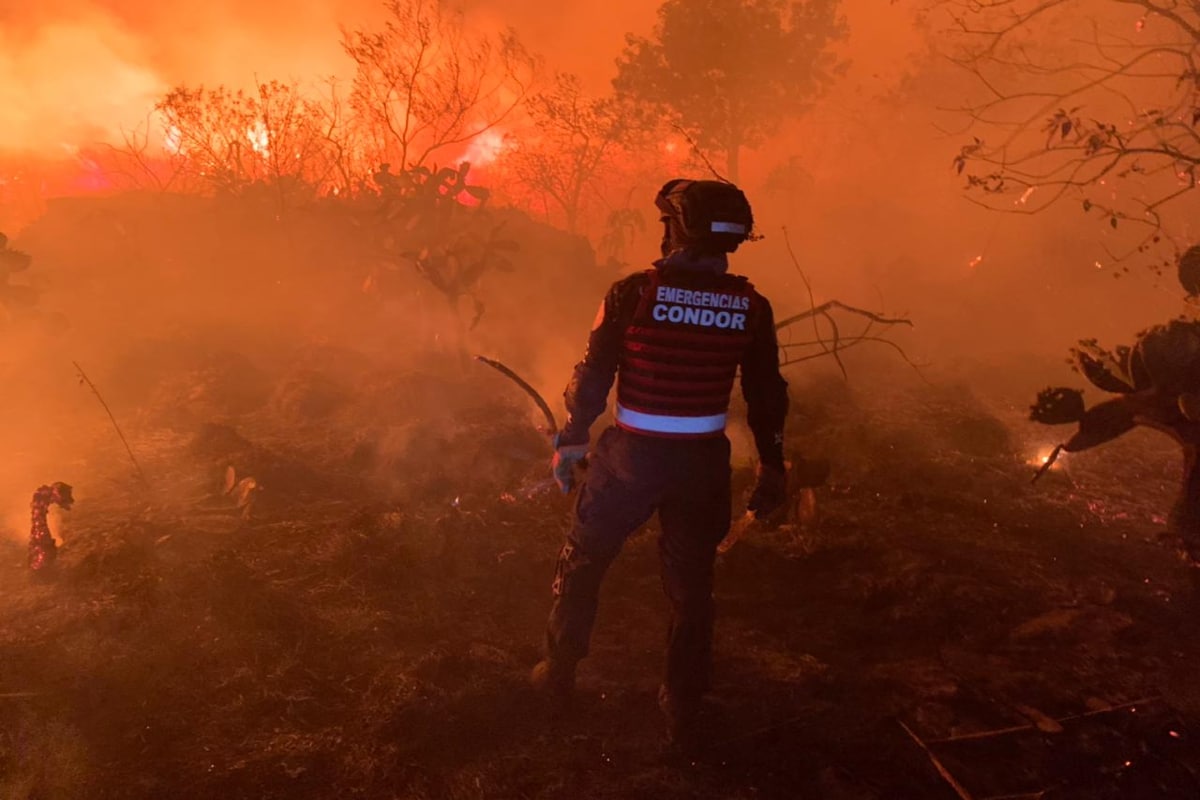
770	493
566	458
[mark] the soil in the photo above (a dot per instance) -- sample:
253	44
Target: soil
367	632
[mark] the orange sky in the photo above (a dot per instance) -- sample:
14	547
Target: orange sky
75	70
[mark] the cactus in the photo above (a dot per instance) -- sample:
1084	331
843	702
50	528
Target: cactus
1157	381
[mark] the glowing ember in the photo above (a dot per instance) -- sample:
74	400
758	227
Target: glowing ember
1043	458
1025	196
975	262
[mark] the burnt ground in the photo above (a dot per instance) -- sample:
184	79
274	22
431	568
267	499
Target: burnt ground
368	631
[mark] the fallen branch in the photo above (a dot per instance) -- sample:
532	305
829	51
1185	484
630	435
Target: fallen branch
966	737
1035	795
859	340
829	305
84	379
937	764
812	306
838	343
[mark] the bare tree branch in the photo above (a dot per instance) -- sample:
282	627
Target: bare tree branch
425	83
1108	119
834	347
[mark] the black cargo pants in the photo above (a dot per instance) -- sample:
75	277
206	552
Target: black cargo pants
629	477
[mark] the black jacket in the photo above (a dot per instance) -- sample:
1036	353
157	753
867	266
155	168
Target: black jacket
763	386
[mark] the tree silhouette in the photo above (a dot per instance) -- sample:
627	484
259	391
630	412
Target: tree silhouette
229	140
729	72
571	144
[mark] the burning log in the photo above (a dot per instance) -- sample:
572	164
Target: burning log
42	547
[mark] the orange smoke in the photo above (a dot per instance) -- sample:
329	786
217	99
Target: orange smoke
70	83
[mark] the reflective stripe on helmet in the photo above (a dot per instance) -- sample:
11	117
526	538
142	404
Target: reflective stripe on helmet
728	227
662	423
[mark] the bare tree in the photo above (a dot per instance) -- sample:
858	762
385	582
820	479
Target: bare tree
425	83
571	144
291	134
276	136
210	129
730	72
1095	101
345	165
139	163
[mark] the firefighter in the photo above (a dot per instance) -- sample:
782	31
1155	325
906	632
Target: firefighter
673	338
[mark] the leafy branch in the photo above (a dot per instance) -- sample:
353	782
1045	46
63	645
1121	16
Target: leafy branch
1111	120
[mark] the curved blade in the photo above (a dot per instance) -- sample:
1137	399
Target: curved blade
529	390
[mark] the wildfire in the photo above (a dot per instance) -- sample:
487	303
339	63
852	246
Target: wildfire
260	138
485	148
173	143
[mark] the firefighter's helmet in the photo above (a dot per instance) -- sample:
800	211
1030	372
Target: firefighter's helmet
710	216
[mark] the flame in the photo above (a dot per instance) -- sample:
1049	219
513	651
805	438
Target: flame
260	138
173	142
1042	458
485	148
976	261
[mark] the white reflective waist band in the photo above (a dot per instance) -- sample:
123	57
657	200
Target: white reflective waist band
661	423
